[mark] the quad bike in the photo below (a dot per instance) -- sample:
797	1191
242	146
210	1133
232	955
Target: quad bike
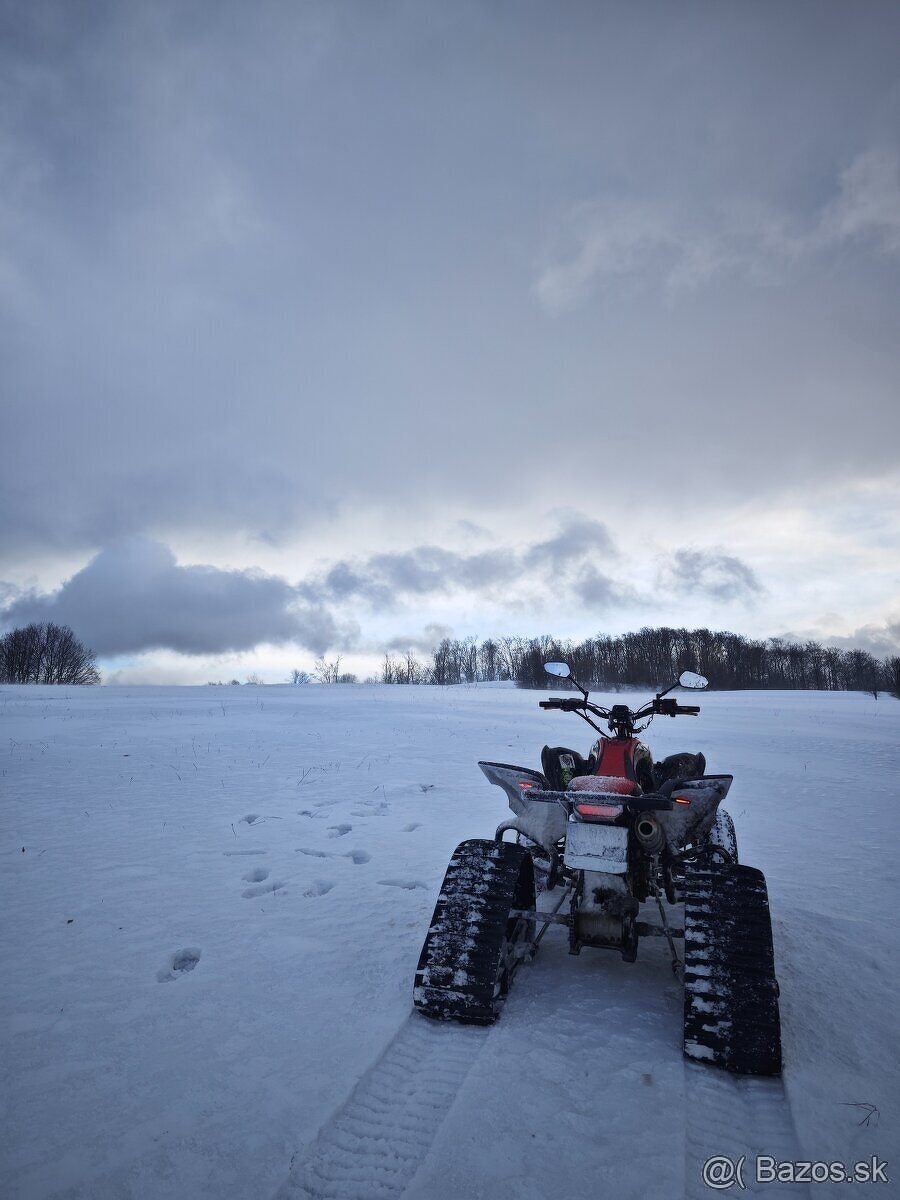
612	831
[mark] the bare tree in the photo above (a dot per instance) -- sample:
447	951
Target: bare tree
46	653
327	672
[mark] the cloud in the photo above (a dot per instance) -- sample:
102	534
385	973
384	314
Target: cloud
432	635
868	205
713	573
134	597
208	336
609	240
616	238
882	641
428	570
598	591
577	536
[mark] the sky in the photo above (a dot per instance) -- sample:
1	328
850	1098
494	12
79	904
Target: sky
331	329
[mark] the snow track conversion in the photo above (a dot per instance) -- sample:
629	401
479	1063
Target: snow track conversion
471	948
730	991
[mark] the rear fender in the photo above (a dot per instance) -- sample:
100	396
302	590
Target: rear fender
684	823
539	816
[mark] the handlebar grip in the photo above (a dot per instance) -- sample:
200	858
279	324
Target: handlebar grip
548	704
690	710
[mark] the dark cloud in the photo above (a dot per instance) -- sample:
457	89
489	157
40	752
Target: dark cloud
598	591
344	581
262	260
427	570
713	573
134	597
577	536
423	643
186	488
883	641
424	569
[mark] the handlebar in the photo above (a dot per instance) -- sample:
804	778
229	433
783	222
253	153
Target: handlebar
669	708
654	708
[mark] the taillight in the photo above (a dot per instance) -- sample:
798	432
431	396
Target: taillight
525	784
599	812
682	799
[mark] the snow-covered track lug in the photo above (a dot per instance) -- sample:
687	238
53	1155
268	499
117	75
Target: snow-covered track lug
475	941
730	992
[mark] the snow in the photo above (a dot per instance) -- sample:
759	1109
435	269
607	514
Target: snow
214	904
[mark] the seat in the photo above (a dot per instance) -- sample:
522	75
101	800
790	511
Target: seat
678	767
616	784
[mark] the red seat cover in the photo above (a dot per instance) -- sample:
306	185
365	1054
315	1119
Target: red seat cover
617	784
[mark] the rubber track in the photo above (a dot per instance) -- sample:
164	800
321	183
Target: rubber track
457	972
731	1015
723	834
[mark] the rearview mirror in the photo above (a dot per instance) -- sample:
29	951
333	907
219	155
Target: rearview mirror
689	679
559	669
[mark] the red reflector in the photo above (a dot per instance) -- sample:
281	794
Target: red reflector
599	812
525	784
682	799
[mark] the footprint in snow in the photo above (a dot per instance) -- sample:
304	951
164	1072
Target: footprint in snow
412	825
409	884
257	875
371	808
180	963
250	819
358	856
336	831
319	887
262	889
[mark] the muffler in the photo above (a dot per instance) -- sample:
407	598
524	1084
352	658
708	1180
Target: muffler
649	833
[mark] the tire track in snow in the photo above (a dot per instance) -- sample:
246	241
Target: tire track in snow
736	1115
373	1146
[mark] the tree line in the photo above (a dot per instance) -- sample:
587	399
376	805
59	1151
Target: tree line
649	658
46	653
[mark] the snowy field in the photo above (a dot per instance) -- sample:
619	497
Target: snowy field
214	900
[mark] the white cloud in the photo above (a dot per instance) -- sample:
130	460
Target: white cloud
615	238
868	205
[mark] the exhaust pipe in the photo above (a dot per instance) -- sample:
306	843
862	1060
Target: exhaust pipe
649	834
